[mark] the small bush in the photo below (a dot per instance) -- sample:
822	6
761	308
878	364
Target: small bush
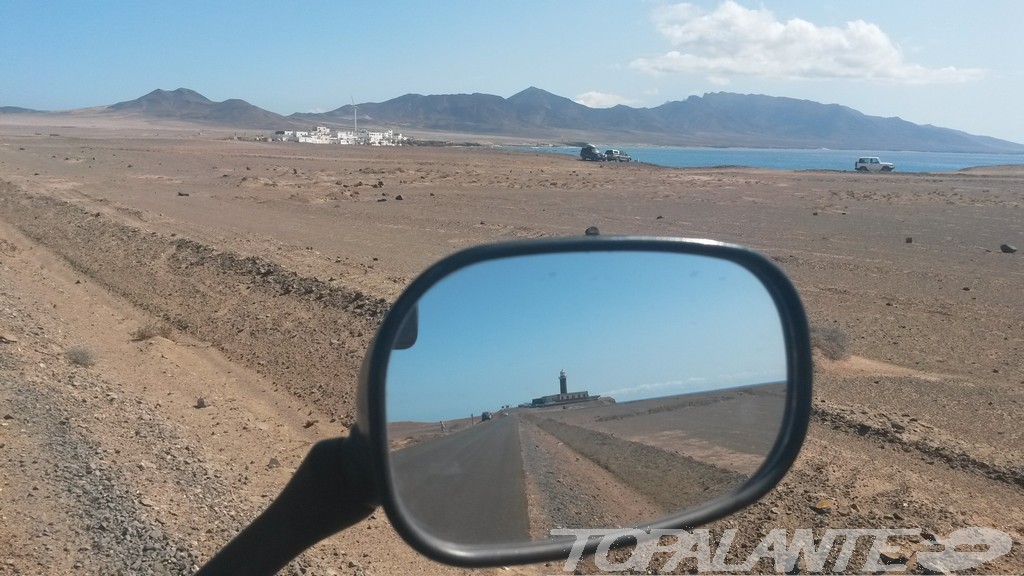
151	331
81	356
831	341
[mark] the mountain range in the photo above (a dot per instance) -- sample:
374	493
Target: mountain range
717	119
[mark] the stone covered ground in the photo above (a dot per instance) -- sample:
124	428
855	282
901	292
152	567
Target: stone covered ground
181	317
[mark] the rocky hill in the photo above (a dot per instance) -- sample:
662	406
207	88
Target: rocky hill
190	106
718	119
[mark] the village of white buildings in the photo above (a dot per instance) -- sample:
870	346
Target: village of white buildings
323	135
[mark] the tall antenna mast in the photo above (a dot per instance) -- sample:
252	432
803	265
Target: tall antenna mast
355	117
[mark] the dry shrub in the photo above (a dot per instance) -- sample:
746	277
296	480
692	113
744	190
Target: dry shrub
831	341
151	331
81	356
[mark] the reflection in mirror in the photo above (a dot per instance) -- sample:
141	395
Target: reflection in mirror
586	389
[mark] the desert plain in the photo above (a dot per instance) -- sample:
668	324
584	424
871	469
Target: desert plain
183	314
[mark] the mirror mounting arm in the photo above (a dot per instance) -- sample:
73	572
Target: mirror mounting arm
328	493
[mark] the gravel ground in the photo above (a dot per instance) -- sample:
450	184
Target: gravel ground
670	480
51	459
918	427
566	489
116	532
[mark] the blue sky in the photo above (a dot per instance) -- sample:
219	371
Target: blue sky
627	325
953	64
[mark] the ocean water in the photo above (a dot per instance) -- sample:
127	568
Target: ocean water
798	159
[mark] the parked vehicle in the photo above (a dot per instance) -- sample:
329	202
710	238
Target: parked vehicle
616	156
590	153
872	164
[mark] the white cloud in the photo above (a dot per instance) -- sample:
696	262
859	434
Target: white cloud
736	41
601	100
696	384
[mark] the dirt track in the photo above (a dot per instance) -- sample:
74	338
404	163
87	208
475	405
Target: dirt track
273	263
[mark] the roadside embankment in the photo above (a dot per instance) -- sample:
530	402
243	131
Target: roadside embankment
305	334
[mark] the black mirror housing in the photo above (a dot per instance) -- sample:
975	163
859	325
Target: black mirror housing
370	433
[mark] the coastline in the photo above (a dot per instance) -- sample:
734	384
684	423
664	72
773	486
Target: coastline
907	161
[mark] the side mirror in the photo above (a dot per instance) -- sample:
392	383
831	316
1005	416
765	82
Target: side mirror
596	382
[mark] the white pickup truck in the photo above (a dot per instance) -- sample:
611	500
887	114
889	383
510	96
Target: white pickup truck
872	164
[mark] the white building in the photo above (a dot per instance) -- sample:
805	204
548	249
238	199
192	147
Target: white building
349	138
384	138
322	135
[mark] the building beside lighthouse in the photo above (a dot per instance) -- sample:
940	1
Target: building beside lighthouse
563	396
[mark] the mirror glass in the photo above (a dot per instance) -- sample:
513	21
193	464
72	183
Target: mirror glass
582	389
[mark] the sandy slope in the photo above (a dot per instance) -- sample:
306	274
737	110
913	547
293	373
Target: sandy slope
274	262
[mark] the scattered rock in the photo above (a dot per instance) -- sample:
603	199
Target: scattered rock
889	557
1007	249
182	193
910	240
399	197
824	506
201	403
273	463
592	231
8	338
310	423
